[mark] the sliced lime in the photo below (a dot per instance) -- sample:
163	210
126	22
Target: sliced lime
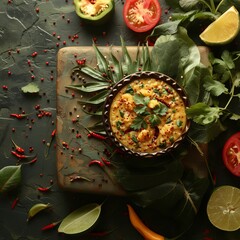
223	208
223	30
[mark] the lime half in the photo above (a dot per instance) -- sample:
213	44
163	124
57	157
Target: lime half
223	208
223	30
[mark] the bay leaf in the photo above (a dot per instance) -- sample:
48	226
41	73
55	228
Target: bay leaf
10	178
37	208
81	219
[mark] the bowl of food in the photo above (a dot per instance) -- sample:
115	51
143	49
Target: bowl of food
145	114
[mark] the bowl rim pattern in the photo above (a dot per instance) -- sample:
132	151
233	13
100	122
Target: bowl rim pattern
127	80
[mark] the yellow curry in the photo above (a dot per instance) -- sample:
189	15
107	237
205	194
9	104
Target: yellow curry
148	115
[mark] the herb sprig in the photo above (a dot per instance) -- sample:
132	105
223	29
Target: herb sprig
145	114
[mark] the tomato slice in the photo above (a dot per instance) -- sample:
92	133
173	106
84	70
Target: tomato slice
141	15
231	154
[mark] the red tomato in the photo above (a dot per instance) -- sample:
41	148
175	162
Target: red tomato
231	154
141	15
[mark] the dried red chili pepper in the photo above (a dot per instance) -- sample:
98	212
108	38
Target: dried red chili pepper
14	203
96	135
33	161
50	226
21	156
44	189
17	148
18	116
106	162
53	133
96	162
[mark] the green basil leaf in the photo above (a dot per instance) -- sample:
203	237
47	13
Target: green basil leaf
81	219
10	178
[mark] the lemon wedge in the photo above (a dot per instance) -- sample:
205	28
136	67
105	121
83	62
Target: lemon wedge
223	208
223	30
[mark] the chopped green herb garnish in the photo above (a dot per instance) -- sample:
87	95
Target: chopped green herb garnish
154	120
118	125
138	123
155	90
160	109
121	113
163	144
129	90
168	120
134	138
179	123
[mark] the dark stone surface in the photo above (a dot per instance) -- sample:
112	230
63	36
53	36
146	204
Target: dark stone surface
23	31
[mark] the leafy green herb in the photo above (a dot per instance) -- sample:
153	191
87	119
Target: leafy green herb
121	113
129	89
134	138
118	125
160	109
154	120
140	99
138	123
179	123
202	114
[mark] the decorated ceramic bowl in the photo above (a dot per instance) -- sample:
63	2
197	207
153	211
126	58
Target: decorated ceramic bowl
145	114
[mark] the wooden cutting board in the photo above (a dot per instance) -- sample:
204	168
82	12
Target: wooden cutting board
74	149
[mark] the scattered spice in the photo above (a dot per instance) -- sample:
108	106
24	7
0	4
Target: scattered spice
106	162
17	148
44	189
80	178
96	162
22	156
14	203
50	226
96	135
18	115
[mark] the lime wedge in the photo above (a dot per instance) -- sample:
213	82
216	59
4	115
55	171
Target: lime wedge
223	30
223	208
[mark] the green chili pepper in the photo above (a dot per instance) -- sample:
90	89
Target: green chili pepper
94	11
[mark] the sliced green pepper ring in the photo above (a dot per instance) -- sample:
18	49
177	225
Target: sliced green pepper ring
94	11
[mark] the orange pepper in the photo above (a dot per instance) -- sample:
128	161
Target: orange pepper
138	224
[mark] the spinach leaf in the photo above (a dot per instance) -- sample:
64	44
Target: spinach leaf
188	4
167	28
177	49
